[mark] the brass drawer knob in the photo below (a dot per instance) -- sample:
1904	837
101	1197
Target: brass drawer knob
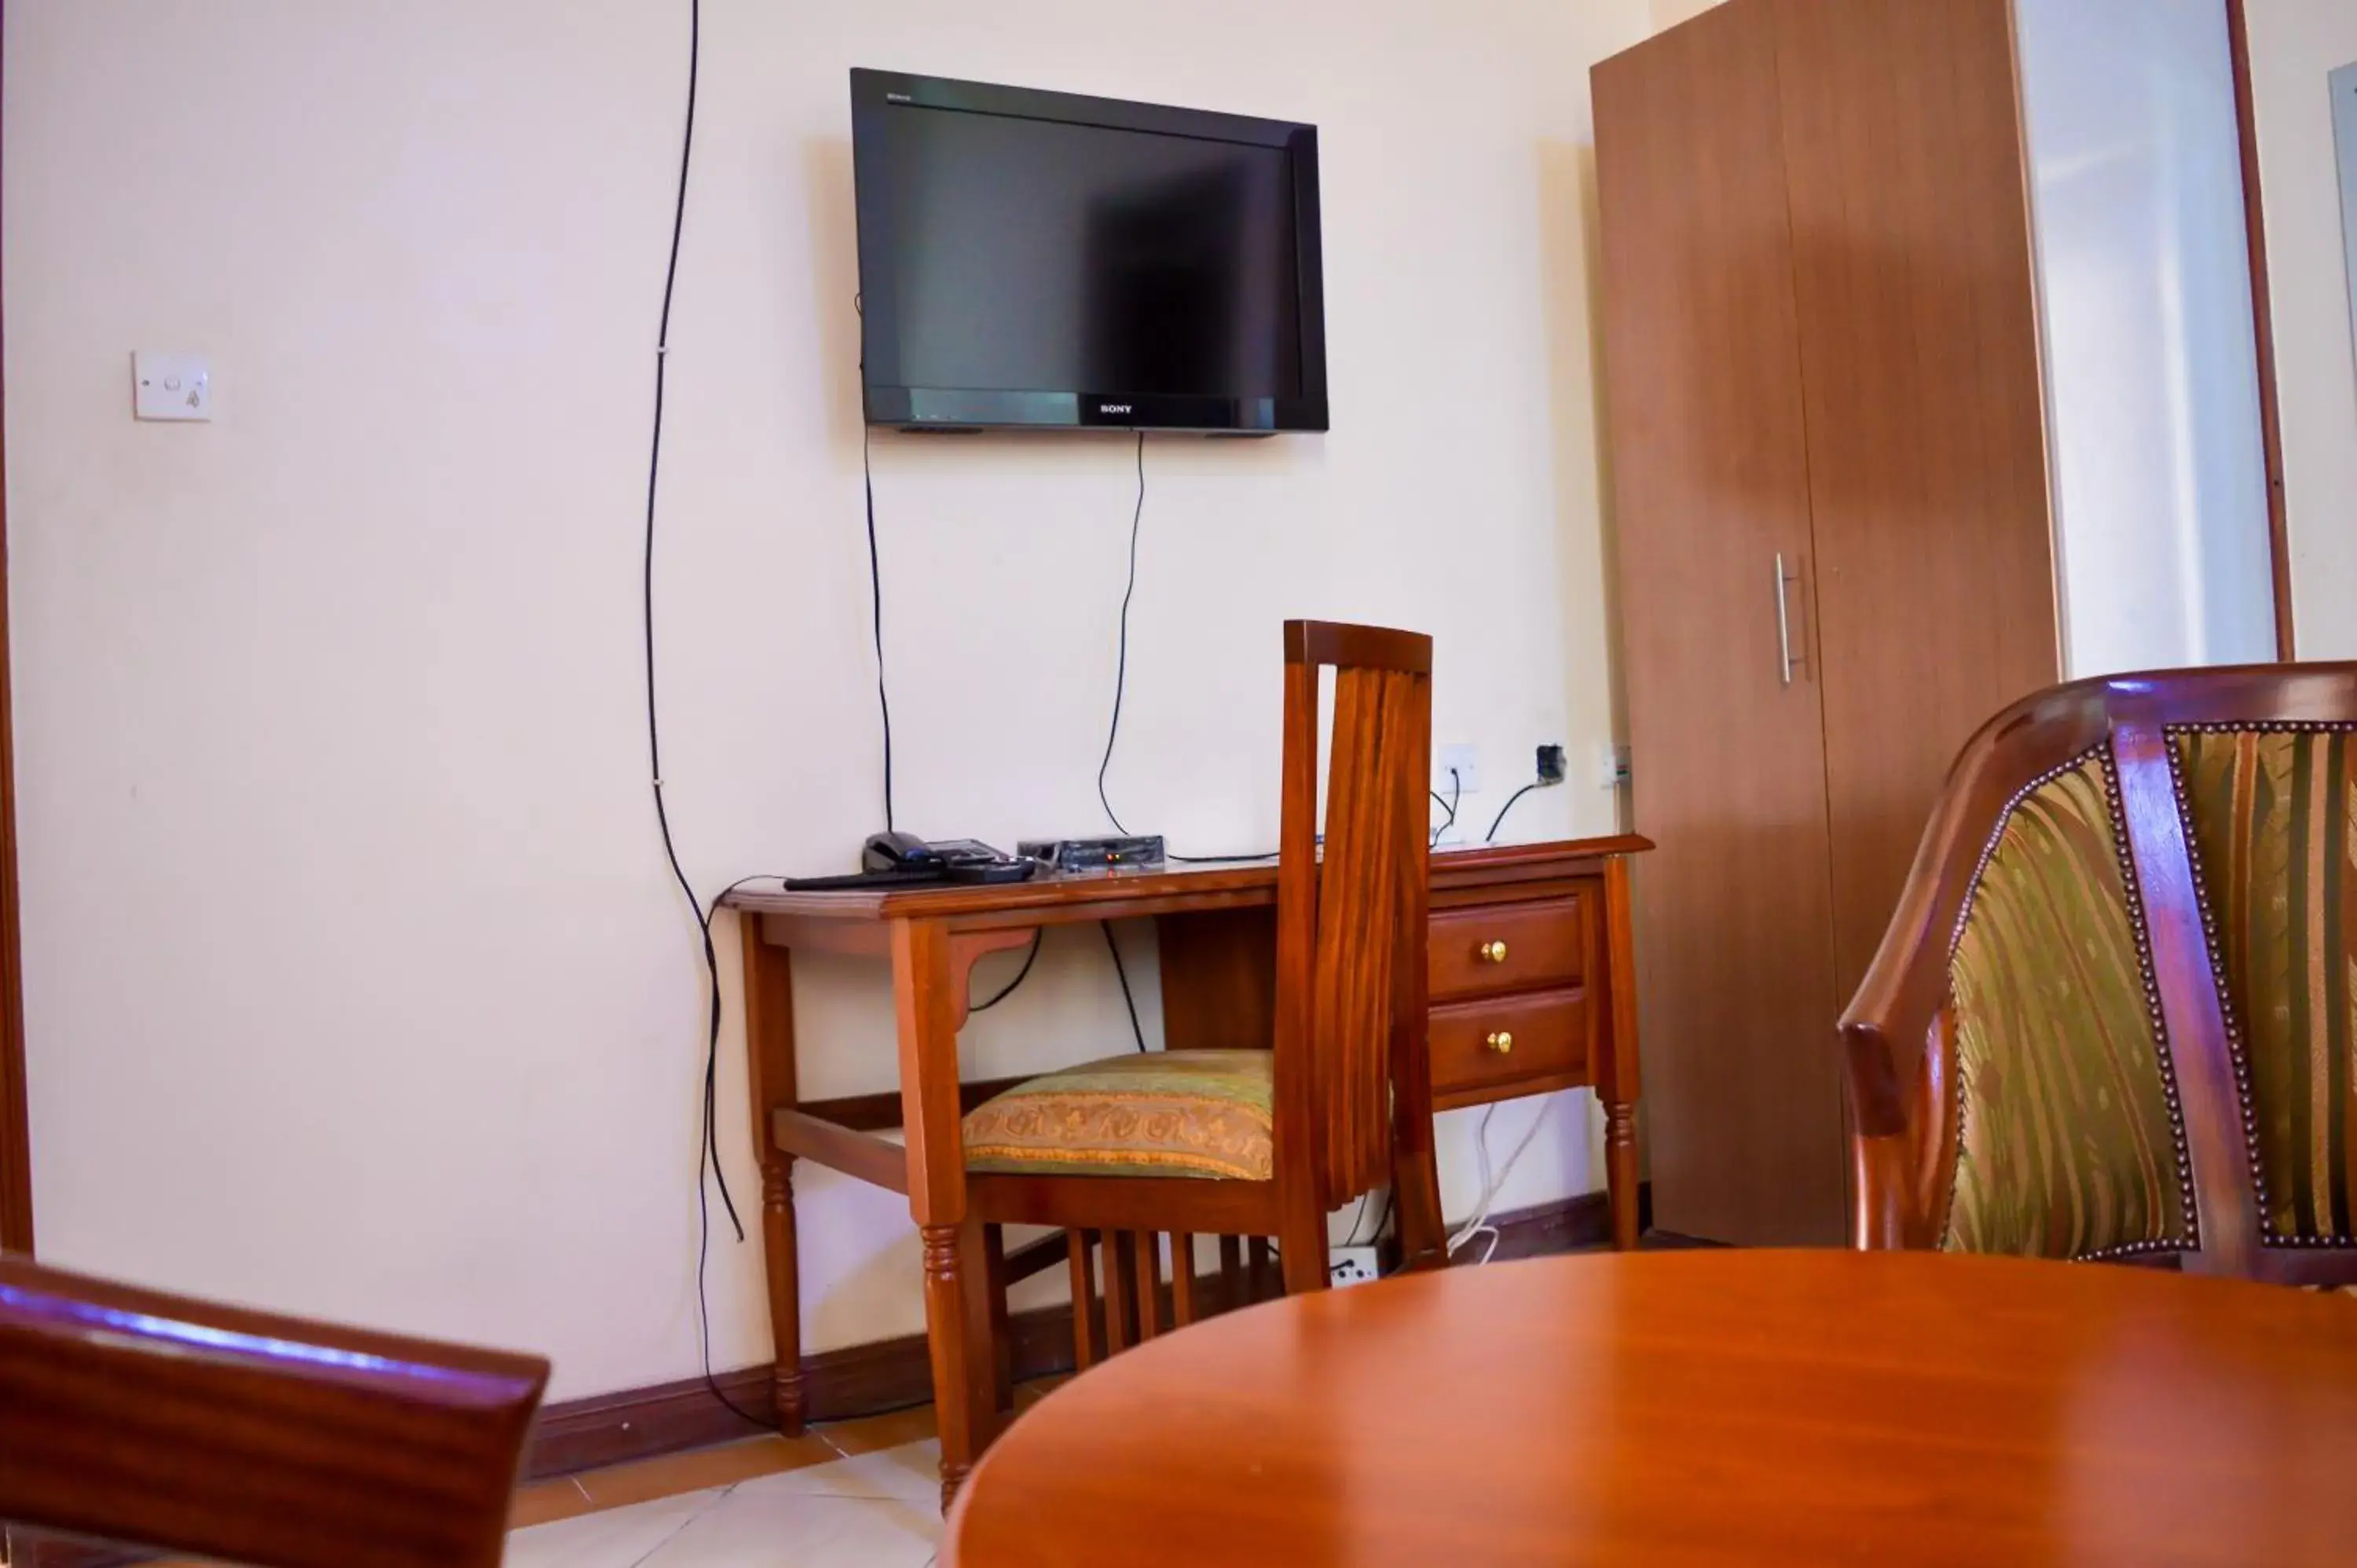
1501	1041
1493	951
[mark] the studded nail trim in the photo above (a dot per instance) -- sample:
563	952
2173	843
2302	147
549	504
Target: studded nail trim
2228	1007
2133	896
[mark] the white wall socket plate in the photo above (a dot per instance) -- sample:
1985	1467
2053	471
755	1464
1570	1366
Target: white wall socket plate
1352	1265
170	386
1466	760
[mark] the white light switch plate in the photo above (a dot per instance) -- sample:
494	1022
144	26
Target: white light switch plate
170	386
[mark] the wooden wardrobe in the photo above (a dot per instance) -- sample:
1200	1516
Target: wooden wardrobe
1831	527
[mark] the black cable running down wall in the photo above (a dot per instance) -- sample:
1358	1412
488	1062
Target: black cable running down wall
876	606
1499	820
1121	656
707	1150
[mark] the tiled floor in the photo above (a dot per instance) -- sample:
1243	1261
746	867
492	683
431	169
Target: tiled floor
876	1510
847	1496
858	1493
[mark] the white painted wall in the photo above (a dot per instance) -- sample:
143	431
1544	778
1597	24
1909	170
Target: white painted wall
355	982
1668	14
2294	43
2153	413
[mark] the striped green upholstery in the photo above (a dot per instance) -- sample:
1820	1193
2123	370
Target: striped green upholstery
2069	1143
2273	814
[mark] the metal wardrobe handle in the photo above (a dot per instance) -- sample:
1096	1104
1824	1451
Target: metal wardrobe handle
1783	626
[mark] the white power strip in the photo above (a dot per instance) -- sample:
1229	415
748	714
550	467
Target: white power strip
1352	1265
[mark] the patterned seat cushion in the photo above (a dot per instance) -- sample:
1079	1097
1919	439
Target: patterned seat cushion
2069	1143
2273	818
1161	1114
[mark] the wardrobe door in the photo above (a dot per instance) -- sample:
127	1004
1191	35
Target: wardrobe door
1912	271
1710	484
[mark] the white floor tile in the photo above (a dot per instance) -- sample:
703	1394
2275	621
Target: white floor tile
617	1538
873	1510
762	1526
912	1472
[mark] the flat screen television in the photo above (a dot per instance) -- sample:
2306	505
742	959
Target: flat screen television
1037	258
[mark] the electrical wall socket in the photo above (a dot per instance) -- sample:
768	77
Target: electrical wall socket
1352	1265
1611	765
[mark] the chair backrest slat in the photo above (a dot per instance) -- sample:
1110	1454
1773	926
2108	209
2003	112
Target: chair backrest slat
1349	921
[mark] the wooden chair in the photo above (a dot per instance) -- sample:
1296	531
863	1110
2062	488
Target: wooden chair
1259	1142
2113	1013
133	1416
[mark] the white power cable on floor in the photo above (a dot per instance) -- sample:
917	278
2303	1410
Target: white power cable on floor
1492	1185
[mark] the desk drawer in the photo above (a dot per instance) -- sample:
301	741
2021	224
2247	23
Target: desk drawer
1488	948
1543	1034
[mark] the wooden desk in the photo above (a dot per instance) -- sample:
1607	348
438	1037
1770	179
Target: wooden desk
1531	990
1756	1407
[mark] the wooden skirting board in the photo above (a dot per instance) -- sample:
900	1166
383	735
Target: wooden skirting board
858	1380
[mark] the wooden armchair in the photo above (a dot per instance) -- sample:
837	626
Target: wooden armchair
1264	1139
2114	1013
133	1416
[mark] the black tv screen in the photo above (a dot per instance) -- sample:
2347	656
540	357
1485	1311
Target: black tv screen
1038	259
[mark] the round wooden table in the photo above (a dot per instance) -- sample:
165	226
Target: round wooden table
1704	1407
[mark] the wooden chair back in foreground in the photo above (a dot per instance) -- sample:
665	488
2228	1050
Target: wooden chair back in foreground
1353	1081
130	1415
1264	1137
2115	1014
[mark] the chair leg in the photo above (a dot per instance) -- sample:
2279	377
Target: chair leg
1115	1251
1150	1286
1423	1233
1002	1343
1084	1349
1182	1279
1231	1274
1301	1235
1264	1285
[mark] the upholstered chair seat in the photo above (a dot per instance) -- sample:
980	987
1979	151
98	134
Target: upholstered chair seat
1156	1113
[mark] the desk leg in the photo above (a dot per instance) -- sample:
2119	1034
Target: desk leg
1615	1079
957	1328
770	1072
925	983
1620	1171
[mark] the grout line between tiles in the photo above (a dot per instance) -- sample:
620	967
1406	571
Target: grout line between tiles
713	1502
